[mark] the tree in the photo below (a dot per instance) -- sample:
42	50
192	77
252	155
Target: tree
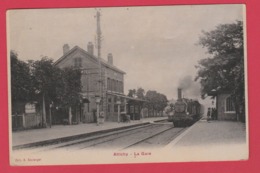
131	93
20	78
156	101
21	83
224	69
44	80
69	89
140	93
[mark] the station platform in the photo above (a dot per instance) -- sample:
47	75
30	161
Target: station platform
65	131
212	141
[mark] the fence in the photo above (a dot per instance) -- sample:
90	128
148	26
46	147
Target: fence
32	120
26	121
17	122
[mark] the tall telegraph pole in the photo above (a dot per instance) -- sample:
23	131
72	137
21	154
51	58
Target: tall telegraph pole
99	38
99	35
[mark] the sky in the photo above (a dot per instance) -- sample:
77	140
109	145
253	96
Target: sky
156	46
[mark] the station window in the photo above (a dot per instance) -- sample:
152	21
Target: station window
78	62
122	108
132	109
122	89
136	109
119	86
115	86
108	84
88	106
112	85
108	108
230	105
127	110
115	108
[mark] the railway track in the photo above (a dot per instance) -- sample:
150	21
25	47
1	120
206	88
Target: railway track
150	135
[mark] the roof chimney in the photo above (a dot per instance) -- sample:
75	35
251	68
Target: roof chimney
90	48
110	59
66	49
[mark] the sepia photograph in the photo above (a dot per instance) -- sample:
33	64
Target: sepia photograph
137	84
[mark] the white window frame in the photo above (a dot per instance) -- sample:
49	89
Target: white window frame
234	111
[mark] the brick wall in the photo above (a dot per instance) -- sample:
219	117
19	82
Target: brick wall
90	84
221	105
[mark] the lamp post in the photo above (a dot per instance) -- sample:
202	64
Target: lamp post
98	100
125	105
118	102
80	108
51	105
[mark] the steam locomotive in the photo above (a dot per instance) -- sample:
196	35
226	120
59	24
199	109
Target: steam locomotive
184	112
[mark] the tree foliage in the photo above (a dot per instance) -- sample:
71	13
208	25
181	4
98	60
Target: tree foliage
156	101
223	70
140	93
132	93
20	79
44	77
44	82
69	87
41	81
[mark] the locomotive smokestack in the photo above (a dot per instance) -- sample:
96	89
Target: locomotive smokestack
179	93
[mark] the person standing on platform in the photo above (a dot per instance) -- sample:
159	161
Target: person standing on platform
208	114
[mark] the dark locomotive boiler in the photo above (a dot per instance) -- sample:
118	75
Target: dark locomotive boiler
186	111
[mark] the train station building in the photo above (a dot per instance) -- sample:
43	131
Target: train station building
225	105
102	83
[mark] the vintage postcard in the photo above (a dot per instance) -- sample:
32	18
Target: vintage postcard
113	85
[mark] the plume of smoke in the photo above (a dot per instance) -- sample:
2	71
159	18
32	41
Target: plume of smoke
190	88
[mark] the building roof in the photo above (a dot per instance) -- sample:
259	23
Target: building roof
103	62
127	97
218	91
